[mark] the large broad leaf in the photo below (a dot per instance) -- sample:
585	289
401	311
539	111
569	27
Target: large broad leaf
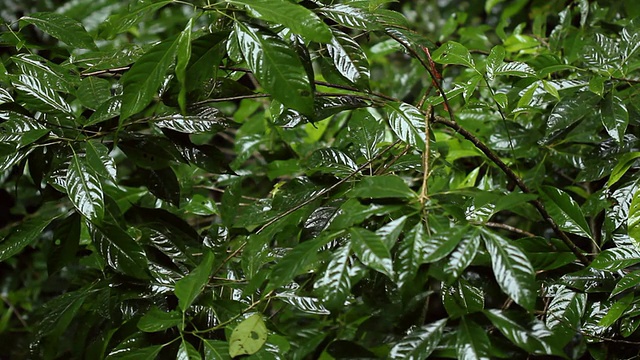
622	166
633	221
306	304
120	250
386	186
565	211
93	92
371	250
62	28
186	351
565	312
410	254
190	286
52	75
462	298
472	342
462	256
533	341
567	112
441	244
21	130
194	124
335	283
353	17
248	337
28	231
158	320
84	188
614	116
453	53
34	87
367	132
295	261
420	343
629	281
617	258
407	123
299	19
131	15
58	313
142	81
216	350
512	270
332	161
349	59
277	67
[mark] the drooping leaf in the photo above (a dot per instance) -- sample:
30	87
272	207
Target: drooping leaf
495	59
27	232
190	286
21	130
617	258
420	343
512	270
565	211
85	188
277	67
614	116
248	337
629	281
120	251
34	87
622	166
142	81
98	158
407	123
93	92
521	336
633	220
371	250
349	59
61	27
183	54
156	320
441	244
386	186
335	283
295	261
472	341
410	254
616	310
565	312
186	351
462	256
299	19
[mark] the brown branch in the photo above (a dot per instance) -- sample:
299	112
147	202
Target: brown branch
510	228
515	178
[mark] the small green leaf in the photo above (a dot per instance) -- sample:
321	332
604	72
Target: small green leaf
295	261
526	339
248	337
183	54
633	221
629	281
132	14
462	298
377	187
186	351
335	283
26	233
617	258
407	123
20	130
61	27
453	53
512	270
565	211
371	250
472	341
142	81
85	188
565	312
135	353
190	286
299	19
622	166
515	68
441	244
156	320
93	92
120	250
216	350
462	256
332	161
353	17
349	59
614	116
410	254
495	59
420	343
616	310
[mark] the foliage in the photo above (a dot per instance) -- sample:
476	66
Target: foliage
272	179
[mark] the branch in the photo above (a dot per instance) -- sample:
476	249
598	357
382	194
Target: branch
515	178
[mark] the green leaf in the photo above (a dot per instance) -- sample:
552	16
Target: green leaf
183	54
295	261
512	270
84	188
156	320
614	116
407	123
186	351
93	92
515	68
462	299
142	81
565	211
353	17
462	256
133	353
629	281
349	59
526	339
58	313
565	312
441	244
622	166
190	286
216	350
616	310
34	87
385	186
617	258
391	231
190	124
371	250
472	341
420	343
98	158
61	27
51	75
21	130
335	283
248	337
410	253
120	250
277	67
332	161
453	53
117	23
27	232
494	60
299	19
306	304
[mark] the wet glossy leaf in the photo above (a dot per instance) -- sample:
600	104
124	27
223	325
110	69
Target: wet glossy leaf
614	116
565	312
108	110
306	304
629	281
61	27
453	53
589	280
216	350
142	81
407	123
50	74
353	17
26	233
120	251
335	283
277	67
624	164
98	158
248	337
186	351
462	256
633	221
150	152
367	132
129	17
134	353
85	188
21	130
472	341
34	87
519	335
190	286
462	298
349	59
494	60
93	92
391	231
565	211
616	310
512	270
299	19
183	55
192	124
386	186
332	161
58	313
295	261
617	258
158	320
410	254
567	112
420	343
515	68
371	250
441	244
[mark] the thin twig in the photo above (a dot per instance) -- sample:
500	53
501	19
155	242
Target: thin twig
510	228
